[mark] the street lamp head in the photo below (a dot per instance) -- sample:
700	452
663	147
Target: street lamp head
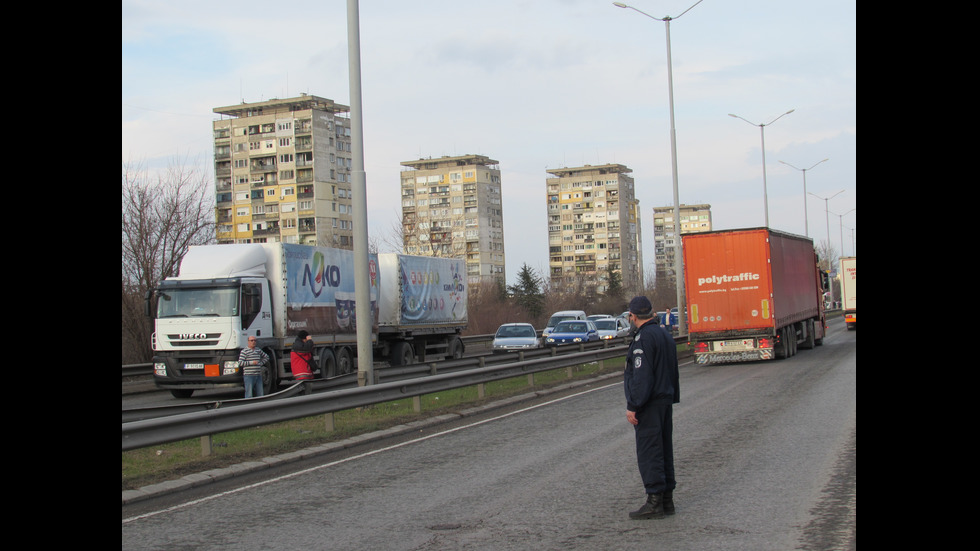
620	5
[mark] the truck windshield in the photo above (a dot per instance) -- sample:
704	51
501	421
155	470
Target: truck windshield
182	303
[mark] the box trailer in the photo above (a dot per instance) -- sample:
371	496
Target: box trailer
752	294
848	290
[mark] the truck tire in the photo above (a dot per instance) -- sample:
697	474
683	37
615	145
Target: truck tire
808	343
402	354
345	361
270	374
782	348
455	350
327	363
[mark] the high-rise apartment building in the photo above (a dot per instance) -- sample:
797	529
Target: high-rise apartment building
593	229
451	207
282	172
694	219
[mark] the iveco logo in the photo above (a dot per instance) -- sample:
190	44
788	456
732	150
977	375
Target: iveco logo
191	336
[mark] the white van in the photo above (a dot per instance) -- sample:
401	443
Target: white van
562	316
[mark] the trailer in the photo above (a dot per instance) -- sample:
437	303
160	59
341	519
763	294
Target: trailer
752	294
848	290
223	294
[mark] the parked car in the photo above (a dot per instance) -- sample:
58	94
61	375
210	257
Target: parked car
596	317
572	331
561	316
612	328
511	337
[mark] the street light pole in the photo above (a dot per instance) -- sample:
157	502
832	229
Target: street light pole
762	128
362	291
678	242
841	221
827	211
806	221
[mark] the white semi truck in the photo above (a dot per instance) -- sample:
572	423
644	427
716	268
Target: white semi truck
848	290
224	294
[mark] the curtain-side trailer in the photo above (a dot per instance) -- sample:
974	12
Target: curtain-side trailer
752	294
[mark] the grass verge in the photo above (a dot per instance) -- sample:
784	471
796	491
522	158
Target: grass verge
170	461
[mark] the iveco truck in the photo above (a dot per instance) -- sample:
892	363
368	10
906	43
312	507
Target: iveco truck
224	294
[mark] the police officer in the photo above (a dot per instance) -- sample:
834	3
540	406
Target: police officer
651	382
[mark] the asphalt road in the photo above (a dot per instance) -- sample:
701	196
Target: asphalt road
765	454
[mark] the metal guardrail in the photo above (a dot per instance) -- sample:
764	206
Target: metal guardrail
191	424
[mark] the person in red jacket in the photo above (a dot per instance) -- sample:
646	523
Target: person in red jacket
301	357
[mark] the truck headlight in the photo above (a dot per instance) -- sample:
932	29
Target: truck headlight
160	368
230	368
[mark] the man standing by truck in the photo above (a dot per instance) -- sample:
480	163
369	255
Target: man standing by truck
651	382
250	361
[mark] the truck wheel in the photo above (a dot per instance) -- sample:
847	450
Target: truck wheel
455	349
270	374
402	354
808	343
328	363
782	349
345	361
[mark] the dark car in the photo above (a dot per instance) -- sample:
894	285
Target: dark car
571	332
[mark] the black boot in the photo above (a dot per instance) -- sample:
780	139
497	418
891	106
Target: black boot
668	503
653	508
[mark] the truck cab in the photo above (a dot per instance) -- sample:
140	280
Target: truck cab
200	327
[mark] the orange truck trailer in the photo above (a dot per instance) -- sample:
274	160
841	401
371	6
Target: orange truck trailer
752	294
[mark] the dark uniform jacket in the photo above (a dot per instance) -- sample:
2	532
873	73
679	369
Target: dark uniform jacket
651	376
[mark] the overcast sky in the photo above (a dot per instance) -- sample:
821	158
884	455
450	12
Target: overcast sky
536	85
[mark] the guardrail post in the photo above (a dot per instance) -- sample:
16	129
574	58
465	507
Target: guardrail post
417	404
206	445
481	391
328	421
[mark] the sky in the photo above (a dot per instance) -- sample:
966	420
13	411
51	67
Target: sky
535	85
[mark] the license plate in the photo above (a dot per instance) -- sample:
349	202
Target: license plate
193	366
744	344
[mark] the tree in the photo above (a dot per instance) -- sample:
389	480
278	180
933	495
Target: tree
527	292
161	218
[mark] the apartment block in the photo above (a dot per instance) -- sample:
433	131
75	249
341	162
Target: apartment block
282	172
694	219
451	207
593	229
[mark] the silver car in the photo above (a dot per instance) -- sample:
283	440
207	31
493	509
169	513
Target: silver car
511	337
612	328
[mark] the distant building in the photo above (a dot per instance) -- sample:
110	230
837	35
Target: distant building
451	207
593	229
282	172
694	219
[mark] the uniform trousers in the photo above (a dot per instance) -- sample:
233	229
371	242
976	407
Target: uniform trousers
655	448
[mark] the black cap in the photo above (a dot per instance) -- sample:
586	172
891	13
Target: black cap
641	306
